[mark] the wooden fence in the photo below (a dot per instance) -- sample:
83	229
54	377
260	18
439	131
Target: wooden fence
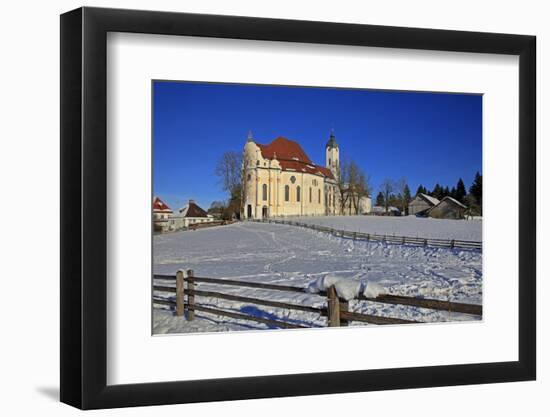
336	310
402	240
195	226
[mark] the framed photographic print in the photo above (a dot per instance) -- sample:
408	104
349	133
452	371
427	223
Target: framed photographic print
257	208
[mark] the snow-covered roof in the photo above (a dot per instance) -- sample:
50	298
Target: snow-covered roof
431	200
454	201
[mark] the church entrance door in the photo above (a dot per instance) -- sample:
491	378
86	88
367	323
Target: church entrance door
264	212
249	211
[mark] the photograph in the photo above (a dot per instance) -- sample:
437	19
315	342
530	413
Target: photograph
291	207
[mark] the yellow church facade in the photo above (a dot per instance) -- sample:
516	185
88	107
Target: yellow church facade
280	180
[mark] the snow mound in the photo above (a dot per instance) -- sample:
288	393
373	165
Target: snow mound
373	290
346	288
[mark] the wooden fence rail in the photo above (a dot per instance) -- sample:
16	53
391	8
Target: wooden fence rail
336	310
402	240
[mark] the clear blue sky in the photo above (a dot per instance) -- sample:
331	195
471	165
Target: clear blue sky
424	137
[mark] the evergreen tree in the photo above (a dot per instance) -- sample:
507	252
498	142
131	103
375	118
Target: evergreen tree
437	191
446	191
460	190
380	199
453	192
406	199
421	190
476	190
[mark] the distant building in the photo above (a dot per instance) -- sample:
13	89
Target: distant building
381	211
161	215
421	204
188	215
364	203
448	208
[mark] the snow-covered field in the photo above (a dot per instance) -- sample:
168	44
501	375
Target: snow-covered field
290	255
410	226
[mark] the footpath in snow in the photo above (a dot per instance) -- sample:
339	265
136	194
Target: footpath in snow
288	255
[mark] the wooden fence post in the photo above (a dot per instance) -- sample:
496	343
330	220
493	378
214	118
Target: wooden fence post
190	298
452	244
333	304
343	309
179	293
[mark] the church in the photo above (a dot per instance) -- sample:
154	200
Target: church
280	180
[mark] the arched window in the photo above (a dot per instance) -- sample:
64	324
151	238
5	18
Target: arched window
264	192
329	162
298	193
310	194
319	195
287	193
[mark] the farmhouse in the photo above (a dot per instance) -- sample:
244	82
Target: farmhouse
188	215
421	204
448	208
161	215
279	179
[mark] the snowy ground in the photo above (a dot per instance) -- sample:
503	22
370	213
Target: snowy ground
296	256
410	226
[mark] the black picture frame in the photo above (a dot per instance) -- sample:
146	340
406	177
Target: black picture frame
84	207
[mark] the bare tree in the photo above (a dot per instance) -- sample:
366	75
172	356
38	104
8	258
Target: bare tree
353	185
387	188
229	169
343	180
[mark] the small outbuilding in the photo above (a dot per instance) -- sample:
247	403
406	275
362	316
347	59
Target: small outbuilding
421	204
448	208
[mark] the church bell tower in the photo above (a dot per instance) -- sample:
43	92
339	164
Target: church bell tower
332	154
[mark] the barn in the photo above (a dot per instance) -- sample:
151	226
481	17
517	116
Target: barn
421	204
448	208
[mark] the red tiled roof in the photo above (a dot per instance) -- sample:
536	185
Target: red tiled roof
159	205
283	148
292	157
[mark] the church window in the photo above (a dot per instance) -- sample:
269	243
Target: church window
319	195
264	192
329	162
293	179
298	193
249	177
287	193
310	194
